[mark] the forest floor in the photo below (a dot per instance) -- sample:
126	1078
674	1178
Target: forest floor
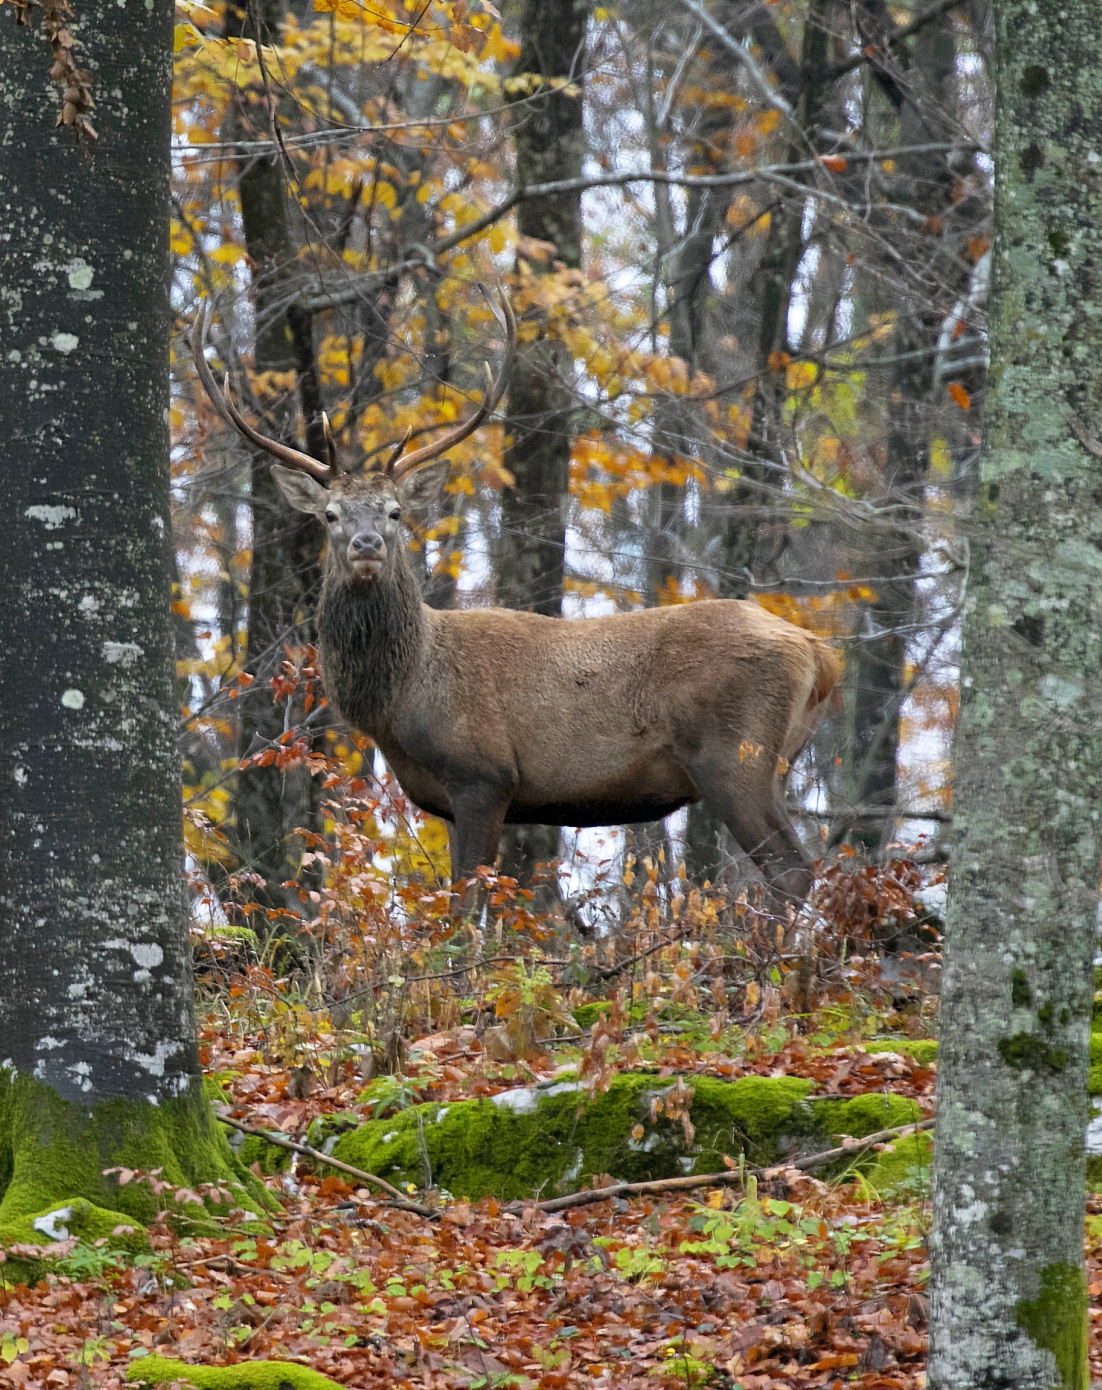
791	1280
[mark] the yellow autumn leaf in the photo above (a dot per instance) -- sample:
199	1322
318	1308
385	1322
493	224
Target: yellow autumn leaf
184	36
227	253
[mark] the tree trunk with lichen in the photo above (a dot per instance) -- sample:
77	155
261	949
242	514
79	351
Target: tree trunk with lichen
269	802
531	552
98	1056
1008	1300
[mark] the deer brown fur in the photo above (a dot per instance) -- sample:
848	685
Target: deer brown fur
488	716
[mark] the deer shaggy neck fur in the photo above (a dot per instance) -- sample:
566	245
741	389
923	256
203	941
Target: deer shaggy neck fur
370	636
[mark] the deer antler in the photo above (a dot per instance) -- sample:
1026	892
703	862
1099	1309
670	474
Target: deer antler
397	468
229	412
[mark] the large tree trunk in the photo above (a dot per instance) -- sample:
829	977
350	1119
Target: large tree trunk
1008	1301
270	804
532	546
97	1036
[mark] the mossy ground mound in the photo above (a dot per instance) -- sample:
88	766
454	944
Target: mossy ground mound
247	1375
53	1154
555	1140
922	1050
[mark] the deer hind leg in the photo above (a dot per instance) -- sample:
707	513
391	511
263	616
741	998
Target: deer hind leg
749	801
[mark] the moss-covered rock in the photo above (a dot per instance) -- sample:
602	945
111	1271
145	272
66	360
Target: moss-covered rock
906	1163
554	1139
54	1154
246	1375
267	1157
91	1226
866	1114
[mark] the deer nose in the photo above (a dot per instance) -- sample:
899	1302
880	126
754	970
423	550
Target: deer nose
368	545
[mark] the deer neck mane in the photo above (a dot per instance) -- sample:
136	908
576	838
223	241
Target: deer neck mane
370	637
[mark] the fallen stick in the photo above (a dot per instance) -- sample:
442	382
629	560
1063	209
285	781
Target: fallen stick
318	1157
856	1145
728	1176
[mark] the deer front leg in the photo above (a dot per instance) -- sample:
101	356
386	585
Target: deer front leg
478	815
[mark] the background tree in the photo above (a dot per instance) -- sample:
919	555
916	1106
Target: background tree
1008	1298
96	1021
550	144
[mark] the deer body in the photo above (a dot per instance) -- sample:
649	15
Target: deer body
489	715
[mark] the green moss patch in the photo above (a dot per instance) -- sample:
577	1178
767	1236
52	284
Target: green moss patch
246	1375
91	1226
866	1114
921	1050
556	1139
906	1163
1096	1064
53	1154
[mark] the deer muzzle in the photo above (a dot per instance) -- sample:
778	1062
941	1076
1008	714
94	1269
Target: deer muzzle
366	553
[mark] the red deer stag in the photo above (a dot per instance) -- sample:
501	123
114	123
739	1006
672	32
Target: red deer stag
489	716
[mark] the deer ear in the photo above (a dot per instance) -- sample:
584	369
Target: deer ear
422	487
304	493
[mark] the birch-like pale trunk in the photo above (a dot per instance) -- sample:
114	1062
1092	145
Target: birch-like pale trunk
1008	1300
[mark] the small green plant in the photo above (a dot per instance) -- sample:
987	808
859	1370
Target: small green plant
12	1346
753	1231
636	1263
678	1360
92	1350
90	1262
528	1263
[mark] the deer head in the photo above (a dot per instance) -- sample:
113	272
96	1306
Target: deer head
361	511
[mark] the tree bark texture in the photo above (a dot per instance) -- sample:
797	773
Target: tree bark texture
1008	1302
806	86
549	145
95	965
269	803
878	658
531	554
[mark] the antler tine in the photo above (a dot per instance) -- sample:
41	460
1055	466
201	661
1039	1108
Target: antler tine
229	412
330	444
398	468
395	453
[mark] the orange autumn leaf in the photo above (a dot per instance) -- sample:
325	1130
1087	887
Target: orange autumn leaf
834	162
960	395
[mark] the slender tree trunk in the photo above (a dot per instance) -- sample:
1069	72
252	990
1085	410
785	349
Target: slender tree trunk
706	846
532	547
1008	1300
97	1034
879	658
269	804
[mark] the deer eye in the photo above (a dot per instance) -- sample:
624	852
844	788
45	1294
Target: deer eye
395	513
330	516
